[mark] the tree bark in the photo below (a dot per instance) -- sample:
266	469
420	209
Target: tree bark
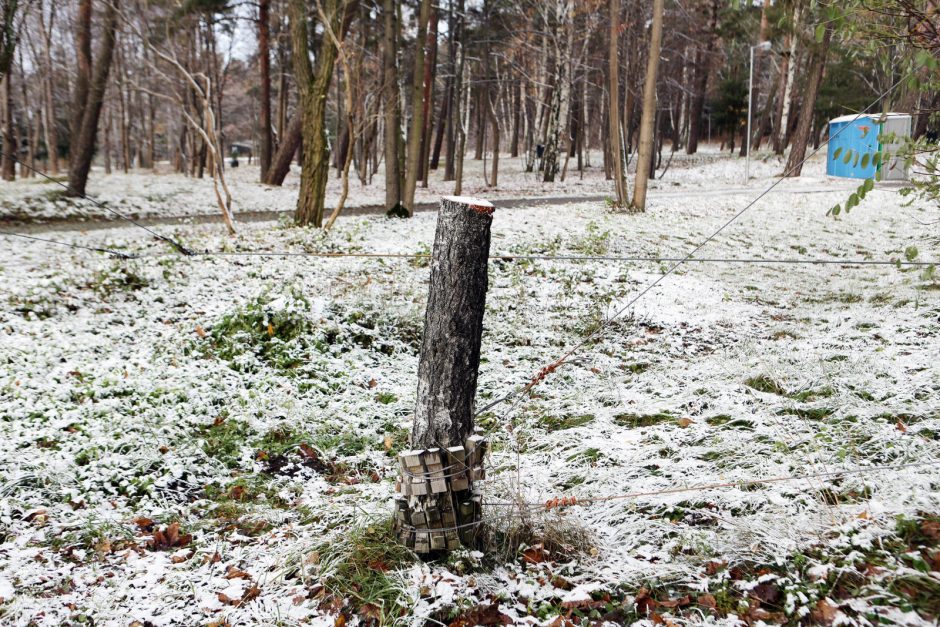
416	131
561	94
804	127
280	163
264	66
453	324
8	166
392	108
703	61
615	131
783	131
314	87
430	70
84	144
648	119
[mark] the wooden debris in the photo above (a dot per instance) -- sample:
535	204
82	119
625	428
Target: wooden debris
438	506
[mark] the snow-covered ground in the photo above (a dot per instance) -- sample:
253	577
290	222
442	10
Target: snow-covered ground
141	194
254	404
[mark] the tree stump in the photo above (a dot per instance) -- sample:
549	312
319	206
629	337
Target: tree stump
438	506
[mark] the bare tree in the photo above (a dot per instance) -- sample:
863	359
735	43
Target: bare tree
416	131
618	149
561	40
89	94
644	157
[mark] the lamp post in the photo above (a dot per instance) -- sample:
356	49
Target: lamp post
764	45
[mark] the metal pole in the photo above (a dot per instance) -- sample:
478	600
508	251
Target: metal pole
747	138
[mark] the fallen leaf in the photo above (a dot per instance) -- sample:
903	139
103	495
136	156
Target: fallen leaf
372	383
824	612
270	330
767	593
169	538
234	573
901	427
482	615
200	331
340	621
707	600
685	422
714	566
535	555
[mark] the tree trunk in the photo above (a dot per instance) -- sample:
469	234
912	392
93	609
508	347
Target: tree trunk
280	164
430	70
783	131
648	120
804	127
392	107
314	86
615	131
561	94
82	72
264	63
453	324
51	134
8	166
416	131
84	143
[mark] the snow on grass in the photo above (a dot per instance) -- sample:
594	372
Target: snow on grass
256	403
143	194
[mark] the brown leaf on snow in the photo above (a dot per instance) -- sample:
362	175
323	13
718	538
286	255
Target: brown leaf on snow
169	538
143	523
824	612
714	566
200	331
707	600
372	383
901	426
535	555
766	593
675	602
247	596
340	621
482	615
234	573
931	529
685	422
179	559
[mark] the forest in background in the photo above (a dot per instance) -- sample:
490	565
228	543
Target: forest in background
412	87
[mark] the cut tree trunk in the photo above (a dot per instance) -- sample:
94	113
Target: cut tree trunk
453	324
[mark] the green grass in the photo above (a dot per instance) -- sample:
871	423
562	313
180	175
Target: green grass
763	383
558	423
224	440
358	567
642	420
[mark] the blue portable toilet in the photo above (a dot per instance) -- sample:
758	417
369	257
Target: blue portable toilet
852	136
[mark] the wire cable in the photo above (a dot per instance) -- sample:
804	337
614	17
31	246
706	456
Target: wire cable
169	240
108	251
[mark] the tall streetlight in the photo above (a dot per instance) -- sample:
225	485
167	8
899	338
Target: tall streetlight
764	45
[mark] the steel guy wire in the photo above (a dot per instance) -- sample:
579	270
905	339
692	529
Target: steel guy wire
742	483
551	367
108	251
506	257
169	240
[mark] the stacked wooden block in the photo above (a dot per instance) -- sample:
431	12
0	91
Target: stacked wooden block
438	507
